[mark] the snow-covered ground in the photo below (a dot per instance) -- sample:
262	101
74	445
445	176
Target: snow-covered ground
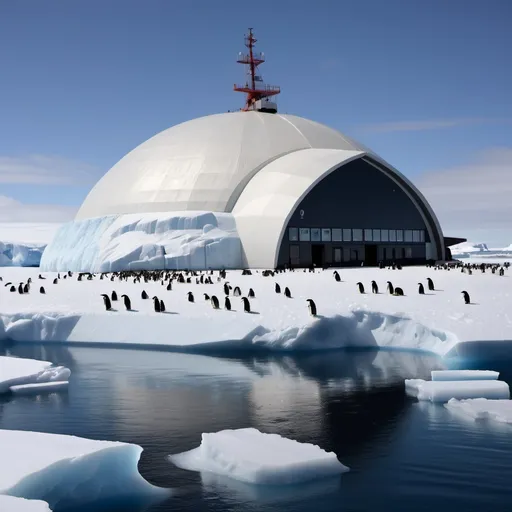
73	311
18	374
249	455
67	471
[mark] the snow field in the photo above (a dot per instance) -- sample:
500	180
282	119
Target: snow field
249	455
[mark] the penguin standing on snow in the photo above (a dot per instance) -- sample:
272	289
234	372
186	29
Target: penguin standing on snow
127	302
42	290
26	288
206	296
430	284
156	304
398	292
247	304
361	287
277	288
375	288
391	290
251	293
227	303
106	301
20	289
287	292
337	277
114	295
226	288
190	297
467	298
162	306
215	302
144	295
311	307
237	292
421	289
55	281
169	286
12	288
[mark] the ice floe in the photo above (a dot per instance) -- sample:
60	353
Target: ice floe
482	408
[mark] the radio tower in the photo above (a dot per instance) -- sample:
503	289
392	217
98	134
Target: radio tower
257	92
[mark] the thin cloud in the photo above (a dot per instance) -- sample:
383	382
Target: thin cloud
474	200
433	124
44	169
12	210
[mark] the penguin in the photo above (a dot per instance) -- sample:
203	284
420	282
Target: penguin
391	290
114	295
144	295
361	287
226	288
169	286
227	303
467	299
12	288
42	290
41	277
162	306
26	288
421	289
55	281
430	284
237	292
311	307
247	304
398	292
106	301
375	288
156	304
251	293
287	292
206	296
190	297
215	302
20	289
277	288
127	302
337	277
502	272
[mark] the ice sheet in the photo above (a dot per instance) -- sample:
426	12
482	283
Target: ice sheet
481	408
44	387
254	457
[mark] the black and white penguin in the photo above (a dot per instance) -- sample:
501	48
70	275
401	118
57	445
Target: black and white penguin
42	290
287	292
227	303
127	302
12	288
114	295
247	304
41	277
237	292
215	302
26	288
106	301
251	293
336	276
190	297
398	292
375	288
361	287
391	290
430	284
156	304
311	307
162	306
144	295
169	286
277	288
20	289
502	272
55	281
206	296
467	298
226	288
421	289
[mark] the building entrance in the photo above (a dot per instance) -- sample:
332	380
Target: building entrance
370	255
318	255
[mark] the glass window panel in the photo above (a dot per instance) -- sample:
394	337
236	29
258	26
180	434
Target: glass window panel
392	235
293	234
354	254
346	254
416	235
422	235
315	235
337	255
408	252
326	234
376	235
336	235
357	235
390	255
347	235
304	235
408	235
368	235
399	235
384	235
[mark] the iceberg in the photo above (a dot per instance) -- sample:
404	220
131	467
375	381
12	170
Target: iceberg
481	408
14	254
447	375
249	455
68	471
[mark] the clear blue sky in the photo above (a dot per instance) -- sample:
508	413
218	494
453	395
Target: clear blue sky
427	85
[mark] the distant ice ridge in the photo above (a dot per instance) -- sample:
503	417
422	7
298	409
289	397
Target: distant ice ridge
249	455
14	254
192	240
67	471
480	250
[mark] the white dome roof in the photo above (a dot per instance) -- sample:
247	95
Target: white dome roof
204	164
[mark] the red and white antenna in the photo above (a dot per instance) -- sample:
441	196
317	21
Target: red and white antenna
257	92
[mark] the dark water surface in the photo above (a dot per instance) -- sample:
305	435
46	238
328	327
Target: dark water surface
403	455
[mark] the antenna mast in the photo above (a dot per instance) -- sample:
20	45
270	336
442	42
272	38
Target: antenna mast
257	92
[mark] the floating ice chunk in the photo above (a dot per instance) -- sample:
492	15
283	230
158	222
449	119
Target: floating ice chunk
251	456
68	471
442	391
481	408
43	387
445	375
13	504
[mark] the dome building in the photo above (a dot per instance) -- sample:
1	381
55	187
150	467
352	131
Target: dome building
298	193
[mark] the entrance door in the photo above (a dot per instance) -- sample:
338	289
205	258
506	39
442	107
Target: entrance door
294	255
370	252
317	255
